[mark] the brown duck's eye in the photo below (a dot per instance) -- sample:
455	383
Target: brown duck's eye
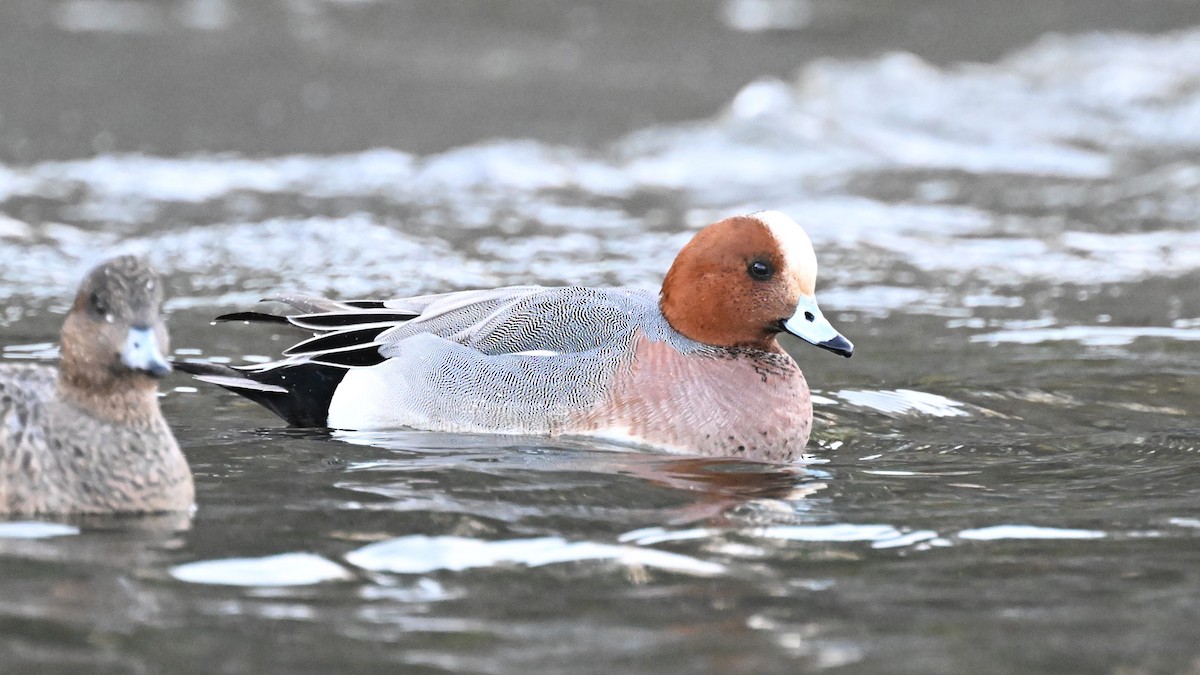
760	270
98	303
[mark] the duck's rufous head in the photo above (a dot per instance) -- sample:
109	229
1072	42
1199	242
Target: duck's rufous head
742	280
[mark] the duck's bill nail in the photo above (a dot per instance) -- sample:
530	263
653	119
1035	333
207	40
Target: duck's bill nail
143	354
810	325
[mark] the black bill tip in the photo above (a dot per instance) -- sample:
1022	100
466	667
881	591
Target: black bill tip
838	345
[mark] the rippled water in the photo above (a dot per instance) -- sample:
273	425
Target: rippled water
1003	479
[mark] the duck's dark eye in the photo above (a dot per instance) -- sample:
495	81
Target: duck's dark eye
98	303
760	270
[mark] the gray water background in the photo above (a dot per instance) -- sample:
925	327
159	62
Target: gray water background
1003	479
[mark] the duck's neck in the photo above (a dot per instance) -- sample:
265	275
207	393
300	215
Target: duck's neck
706	313
130	400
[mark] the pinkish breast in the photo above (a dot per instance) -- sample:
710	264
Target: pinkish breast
746	403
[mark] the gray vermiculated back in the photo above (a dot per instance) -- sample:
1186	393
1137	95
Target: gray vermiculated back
477	360
525	318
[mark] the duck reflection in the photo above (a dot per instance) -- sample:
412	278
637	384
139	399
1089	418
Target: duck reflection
514	478
75	581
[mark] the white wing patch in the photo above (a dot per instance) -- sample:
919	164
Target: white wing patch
538	352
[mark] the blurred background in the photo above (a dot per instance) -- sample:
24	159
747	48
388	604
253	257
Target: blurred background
1003	197
170	77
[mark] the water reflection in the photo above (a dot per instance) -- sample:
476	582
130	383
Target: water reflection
76	580
531	472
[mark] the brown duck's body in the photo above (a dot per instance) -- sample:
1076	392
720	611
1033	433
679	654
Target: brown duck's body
57	457
88	437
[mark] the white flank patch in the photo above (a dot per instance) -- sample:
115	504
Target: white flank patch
356	403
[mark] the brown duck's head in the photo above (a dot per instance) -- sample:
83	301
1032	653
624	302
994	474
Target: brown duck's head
114	332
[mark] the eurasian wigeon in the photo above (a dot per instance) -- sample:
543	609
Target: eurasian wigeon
88	437
694	369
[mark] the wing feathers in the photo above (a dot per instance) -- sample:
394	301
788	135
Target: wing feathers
341	339
241	383
353	357
346	319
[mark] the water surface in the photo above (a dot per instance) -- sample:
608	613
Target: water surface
1001	480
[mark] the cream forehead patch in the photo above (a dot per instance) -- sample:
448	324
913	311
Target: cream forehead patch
792	240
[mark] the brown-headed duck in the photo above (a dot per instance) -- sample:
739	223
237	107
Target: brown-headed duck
88	436
694	368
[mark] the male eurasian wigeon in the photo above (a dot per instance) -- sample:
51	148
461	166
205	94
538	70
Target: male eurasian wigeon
693	369
88	437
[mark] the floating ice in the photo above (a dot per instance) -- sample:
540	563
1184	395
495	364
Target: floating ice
904	401
31	529
1092	336
839	532
420	554
287	569
1028	532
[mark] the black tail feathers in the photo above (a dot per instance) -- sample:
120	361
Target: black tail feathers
298	393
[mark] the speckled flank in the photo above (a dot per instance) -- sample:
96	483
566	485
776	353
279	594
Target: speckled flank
739	403
57	458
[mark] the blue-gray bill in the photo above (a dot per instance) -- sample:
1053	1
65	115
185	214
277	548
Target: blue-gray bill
143	354
810	325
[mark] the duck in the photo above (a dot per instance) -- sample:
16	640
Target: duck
694	368
88	436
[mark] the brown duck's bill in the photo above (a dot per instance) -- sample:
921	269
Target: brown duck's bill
142	353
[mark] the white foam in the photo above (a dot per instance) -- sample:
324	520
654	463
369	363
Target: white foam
1056	128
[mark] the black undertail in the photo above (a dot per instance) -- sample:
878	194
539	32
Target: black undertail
299	394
